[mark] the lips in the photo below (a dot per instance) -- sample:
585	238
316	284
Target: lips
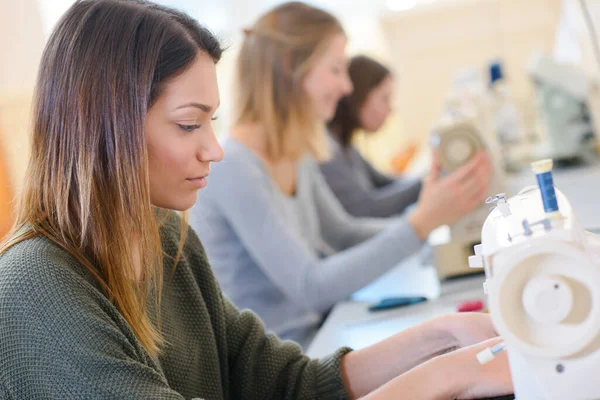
199	182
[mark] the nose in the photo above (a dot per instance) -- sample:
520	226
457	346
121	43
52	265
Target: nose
209	149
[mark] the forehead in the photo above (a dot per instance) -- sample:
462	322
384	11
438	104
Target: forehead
386	85
198	83
334	49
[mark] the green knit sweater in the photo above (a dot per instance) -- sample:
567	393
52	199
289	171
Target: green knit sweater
60	337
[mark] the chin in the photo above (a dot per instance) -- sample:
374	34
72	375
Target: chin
180	203
327	115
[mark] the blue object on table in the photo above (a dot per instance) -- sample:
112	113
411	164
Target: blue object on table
395	302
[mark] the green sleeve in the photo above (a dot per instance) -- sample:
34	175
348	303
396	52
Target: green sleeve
259	365
264	367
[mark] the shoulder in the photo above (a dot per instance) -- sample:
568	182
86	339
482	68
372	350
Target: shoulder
340	157
241	175
38	264
42	285
239	160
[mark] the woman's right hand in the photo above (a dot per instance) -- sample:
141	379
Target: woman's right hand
471	379
454	375
444	201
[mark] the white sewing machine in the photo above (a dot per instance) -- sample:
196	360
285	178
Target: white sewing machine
457	141
568	101
543	289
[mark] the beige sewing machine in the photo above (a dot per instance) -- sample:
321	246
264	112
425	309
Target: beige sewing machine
457	140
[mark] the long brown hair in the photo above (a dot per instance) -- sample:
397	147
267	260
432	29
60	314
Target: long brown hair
366	74
87	184
276	56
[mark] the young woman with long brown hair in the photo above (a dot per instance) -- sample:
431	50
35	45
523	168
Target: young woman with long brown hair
105	294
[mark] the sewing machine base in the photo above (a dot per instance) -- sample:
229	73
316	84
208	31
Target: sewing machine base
450	260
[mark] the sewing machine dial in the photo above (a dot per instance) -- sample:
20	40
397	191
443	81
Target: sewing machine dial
543	307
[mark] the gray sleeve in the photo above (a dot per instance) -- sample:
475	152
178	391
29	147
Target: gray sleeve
378	178
58	342
243	196
382	201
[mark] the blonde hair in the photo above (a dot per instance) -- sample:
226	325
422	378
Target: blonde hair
277	54
87	183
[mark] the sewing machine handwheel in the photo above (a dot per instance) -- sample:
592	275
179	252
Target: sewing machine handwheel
562	336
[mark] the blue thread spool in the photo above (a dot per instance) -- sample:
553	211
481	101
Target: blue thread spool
543	173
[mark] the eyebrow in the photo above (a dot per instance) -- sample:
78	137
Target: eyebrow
203	107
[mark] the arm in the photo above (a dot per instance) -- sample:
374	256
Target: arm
342	230
378	178
421	363
388	198
248	205
264	367
60	339
259	365
456	375
394	356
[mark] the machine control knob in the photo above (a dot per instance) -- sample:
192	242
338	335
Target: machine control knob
548	299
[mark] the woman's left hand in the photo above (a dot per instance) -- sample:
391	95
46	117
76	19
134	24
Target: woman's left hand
468	328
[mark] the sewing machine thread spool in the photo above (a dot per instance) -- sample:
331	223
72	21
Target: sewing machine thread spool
543	173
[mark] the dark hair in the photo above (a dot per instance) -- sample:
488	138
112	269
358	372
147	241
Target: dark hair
366	74
87	186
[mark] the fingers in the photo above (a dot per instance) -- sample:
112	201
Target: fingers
434	173
475	189
472	167
479	167
475	185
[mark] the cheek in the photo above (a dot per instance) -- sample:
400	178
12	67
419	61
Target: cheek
166	163
382	115
315	89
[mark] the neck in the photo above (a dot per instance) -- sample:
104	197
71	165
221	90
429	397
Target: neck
251	135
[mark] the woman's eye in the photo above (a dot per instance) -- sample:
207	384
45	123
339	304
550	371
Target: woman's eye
188	128
214	118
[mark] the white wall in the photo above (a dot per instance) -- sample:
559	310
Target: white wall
21	42
429	45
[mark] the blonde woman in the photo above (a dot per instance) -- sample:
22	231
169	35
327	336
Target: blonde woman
280	242
104	294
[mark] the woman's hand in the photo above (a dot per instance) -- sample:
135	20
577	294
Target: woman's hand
412	348
455	375
444	201
467	328
473	380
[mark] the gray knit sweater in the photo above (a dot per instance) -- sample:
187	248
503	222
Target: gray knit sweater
290	258
60	337
364	191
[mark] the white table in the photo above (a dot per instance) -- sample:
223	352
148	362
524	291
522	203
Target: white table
351	324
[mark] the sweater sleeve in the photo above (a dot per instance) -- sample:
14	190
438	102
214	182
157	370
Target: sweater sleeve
387	198
60	336
378	178
264	367
260	366
241	194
